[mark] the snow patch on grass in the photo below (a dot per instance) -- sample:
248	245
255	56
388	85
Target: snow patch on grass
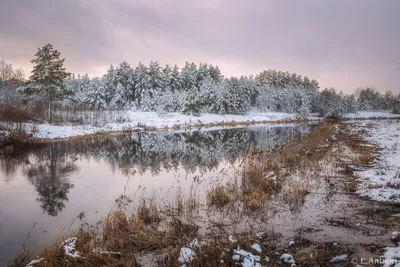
382	181
140	120
246	258
186	255
288	258
371	115
33	262
70	247
257	248
391	258
339	258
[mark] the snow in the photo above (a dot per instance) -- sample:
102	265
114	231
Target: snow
186	255
371	115
248	259
257	248
230	238
260	234
137	120
391	258
33	262
287	258
69	247
339	258
382	181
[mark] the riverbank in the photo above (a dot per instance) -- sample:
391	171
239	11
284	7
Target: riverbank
297	203
151	121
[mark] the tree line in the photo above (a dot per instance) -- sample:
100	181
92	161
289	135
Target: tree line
193	89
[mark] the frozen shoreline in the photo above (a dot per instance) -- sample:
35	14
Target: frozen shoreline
135	120
382	181
152	120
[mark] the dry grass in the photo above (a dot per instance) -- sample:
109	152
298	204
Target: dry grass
219	196
265	172
15	137
255	200
149	213
129	234
294	193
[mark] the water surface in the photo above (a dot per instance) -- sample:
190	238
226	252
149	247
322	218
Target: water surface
41	192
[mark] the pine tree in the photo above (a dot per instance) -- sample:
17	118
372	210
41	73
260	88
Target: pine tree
175	83
47	78
189	77
112	97
82	90
124	77
96	92
140	81
215	73
154	86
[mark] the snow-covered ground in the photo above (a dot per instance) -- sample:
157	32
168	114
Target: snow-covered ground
382	182
140	120
136	120
371	115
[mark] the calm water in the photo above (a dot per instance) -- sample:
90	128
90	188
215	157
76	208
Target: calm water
43	191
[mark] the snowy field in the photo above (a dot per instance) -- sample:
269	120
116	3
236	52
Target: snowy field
139	120
371	115
382	182
136	120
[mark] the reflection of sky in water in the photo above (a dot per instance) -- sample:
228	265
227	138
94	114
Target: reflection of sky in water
53	185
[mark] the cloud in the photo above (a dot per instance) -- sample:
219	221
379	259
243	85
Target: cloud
343	44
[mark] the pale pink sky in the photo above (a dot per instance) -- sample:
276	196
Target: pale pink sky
343	44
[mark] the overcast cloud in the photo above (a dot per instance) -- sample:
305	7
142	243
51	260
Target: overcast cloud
343	44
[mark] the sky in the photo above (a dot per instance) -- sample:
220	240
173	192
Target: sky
344	44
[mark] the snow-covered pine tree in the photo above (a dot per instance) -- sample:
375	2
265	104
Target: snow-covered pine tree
111	97
97	93
329	103
83	89
193	103
47	78
250	88
140	78
189	77
202	74
126	89
154	86
175	83
215	73
349	103
368	99
71	83
209	96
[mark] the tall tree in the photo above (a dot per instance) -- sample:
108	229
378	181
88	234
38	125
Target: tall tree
47	77
6	74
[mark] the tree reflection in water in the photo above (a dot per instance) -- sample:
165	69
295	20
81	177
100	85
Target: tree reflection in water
50	178
48	168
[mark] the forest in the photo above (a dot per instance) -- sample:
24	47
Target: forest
192	89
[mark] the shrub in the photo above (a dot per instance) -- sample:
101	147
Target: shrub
13	113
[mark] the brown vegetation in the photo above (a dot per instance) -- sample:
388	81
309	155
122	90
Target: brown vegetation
16	137
15	113
219	196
